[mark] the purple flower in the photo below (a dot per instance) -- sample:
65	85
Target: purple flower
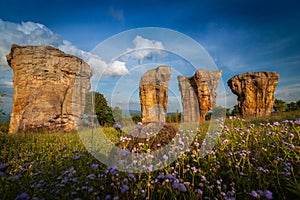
23	195
75	180
75	151
95	166
254	194
77	157
169	176
268	194
2	166
175	185
161	176
199	191
124	188
73	193
1	174
165	157
182	187
84	187
276	123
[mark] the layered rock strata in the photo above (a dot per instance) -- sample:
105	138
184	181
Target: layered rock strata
154	94
255	91
198	94
49	89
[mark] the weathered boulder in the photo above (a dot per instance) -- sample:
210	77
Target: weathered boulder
154	94
198	94
49	89
255	91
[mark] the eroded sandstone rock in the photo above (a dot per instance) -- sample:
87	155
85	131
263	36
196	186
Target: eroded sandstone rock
255	91
154	94
49	89
198	94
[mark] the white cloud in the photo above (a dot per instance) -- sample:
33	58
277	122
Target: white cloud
117	14
145	48
117	68
30	33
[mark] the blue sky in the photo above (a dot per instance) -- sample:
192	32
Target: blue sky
240	36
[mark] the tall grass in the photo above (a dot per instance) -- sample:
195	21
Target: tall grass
253	158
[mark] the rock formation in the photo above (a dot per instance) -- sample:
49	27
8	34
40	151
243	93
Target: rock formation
198	94
49	89
255	91
154	94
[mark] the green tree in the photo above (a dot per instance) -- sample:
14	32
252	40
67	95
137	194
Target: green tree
2	94
136	118
96	104
292	106
235	111
220	111
280	105
298	104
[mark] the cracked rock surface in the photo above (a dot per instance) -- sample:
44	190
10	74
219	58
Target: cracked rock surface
49	89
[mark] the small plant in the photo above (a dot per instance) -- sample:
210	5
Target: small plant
258	160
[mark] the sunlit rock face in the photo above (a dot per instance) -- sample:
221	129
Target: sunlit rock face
198	94
154	94
255	91
49	89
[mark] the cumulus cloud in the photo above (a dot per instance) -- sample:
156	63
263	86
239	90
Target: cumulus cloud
145	48
30	33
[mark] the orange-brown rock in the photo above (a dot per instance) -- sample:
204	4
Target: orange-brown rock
255	91
49	89
154	94
198	94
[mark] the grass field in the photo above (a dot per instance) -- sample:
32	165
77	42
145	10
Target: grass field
255	158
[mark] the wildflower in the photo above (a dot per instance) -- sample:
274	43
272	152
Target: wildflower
268	194
74	180
73	193
254	194
23	195
91	176
1	174
107	196
199	191
76	151
161	176
124	188
95	166
2	166
169	176
182	187
77	157
165	157
84	187
276	123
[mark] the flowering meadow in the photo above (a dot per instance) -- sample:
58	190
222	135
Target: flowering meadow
252	159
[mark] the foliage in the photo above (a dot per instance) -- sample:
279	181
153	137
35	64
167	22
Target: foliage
136	118
235	111
280	105
2	94
97	104
173	117
249	161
